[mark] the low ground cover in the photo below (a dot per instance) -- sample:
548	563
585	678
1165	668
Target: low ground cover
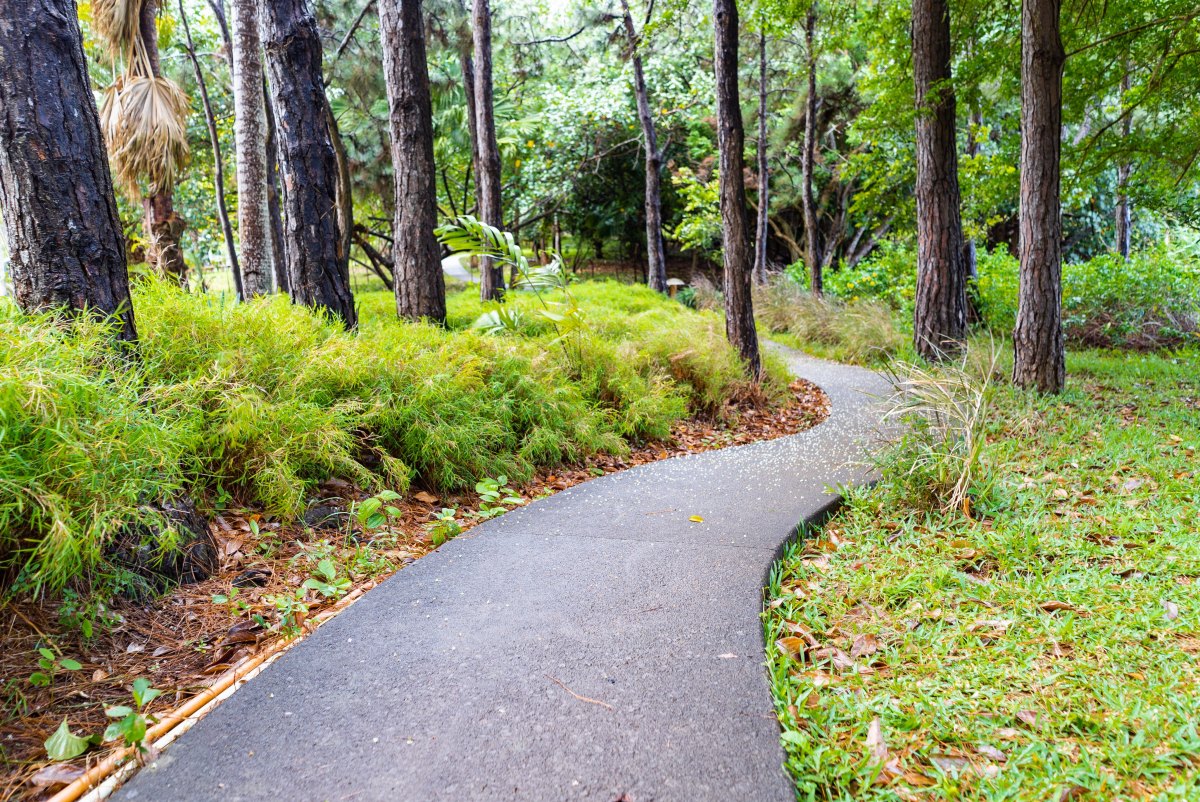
1045	648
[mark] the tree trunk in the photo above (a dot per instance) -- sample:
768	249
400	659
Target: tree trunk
417	270
487	175
307	164
764	174
812	234
735	222
972	262
64	233
344	194
656	265
250	138
218	161
1040	359
164	227
940	319
274	205
1124	170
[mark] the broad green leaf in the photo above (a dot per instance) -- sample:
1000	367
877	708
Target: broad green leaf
64	744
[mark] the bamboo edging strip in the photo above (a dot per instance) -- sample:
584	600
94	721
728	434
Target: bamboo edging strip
191	711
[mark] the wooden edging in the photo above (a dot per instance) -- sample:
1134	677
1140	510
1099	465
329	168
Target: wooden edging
106	776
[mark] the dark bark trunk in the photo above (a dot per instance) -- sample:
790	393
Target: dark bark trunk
307	164
487	175
417	269
940	318
656	264
764	174
735	222
812	234
218	161
64	234
344	194
274	205
164	226
1124	213
1040	359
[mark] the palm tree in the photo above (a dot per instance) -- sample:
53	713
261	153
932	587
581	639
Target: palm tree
144	120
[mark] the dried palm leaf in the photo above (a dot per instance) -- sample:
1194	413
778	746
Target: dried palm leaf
118	23
144	120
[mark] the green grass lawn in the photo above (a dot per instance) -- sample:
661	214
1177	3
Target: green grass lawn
1047	650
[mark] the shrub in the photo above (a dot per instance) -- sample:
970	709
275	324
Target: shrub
857	331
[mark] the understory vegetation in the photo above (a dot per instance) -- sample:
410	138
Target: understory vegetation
1043	646
255	403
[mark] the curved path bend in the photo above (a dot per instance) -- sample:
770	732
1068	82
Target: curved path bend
596	644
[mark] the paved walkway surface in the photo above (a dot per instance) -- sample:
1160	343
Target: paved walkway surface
457	679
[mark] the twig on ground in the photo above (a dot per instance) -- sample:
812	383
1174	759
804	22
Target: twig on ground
560	684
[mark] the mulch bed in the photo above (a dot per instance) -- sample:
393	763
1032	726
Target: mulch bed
184	640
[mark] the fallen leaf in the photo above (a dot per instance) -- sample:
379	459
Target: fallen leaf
918	779
1027	717
99	674
135	647
791	646
1060	493
803	632
727	656
160	651
864	645
232	546
875	743
696	519
56	774
1054	606
1172	610
951	764
425	498
834	655
992	752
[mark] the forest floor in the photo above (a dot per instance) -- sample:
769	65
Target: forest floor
187	639
1046	648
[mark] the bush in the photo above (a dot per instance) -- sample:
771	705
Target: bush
856	331
261	401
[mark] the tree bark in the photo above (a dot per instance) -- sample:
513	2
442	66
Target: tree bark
307	164
764	175
487	173
1040	358
940	318
344	194
735	222
656	260
812	234
218	161
417	270
64	233
164	226
274	206
250	143
1124	215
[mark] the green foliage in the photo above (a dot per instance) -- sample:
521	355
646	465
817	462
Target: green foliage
131	722
259	402
444	526
699	226
326	580
861	330
50	664
66	745
495	497
375	511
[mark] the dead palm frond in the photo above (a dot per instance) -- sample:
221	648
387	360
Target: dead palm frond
144	119
118	23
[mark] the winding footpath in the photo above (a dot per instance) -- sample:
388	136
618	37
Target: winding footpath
597	644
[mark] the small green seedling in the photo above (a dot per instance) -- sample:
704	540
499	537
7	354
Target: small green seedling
495	497
132	722
375	511
237	607
291	609
325	580
50	665
444	526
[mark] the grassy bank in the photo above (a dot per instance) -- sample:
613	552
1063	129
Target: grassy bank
254	404
1045	650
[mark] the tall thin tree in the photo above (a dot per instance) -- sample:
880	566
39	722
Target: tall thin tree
656	260
487	178
764	173
1039	350
250	143
56	192
735	220
1123	213
812	232
940	316
418	281
307	165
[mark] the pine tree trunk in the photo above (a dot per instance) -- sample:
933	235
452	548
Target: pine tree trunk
656	264
274	205
812	233
487	175
1040	359
1124	215
419	284
307	165
940	319
164	226
250	143
64	233
764	174
735	222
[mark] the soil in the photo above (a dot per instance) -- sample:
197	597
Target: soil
183	641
